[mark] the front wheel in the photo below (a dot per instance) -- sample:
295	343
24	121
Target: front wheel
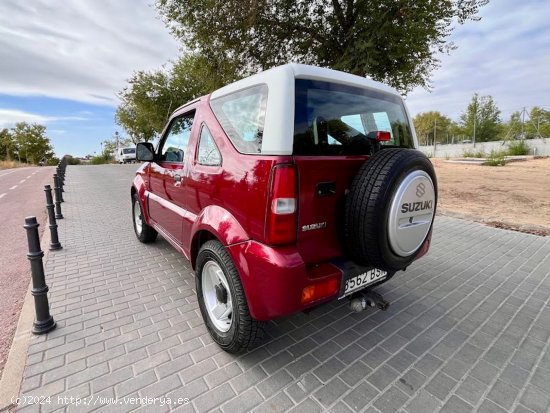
144	232
222	301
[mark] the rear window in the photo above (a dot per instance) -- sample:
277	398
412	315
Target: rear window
333	119
241	115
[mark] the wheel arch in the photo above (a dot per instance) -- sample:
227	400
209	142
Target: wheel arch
215	222
138	188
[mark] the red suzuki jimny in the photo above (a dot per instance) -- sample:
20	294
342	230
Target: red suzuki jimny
287	189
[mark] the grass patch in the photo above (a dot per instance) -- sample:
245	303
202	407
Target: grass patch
473	154
100	160
11	164
496	158
516	148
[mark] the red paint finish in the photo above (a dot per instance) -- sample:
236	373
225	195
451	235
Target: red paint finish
326	209
273	278
232	202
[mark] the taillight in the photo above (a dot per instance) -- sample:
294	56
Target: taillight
320	290
283	206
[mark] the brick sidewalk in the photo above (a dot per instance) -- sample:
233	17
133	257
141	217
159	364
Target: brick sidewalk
468	327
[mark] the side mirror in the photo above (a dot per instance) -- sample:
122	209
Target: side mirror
145	151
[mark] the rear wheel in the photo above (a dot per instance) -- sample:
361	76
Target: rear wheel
144	232
222	301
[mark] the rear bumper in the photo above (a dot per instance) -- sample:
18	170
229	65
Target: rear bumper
274	278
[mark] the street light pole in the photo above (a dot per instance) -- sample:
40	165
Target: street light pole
475	119
435	135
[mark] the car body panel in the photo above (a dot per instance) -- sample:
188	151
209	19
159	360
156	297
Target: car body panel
274	278
229	202
322	214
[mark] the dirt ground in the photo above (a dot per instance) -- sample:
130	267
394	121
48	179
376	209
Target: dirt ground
515	196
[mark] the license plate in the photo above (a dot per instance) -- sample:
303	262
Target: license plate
362	280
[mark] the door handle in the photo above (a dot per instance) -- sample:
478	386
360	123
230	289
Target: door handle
326	188
177	178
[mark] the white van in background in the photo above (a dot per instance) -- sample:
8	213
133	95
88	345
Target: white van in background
126	155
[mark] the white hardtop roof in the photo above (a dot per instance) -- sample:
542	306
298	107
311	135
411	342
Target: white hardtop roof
281	74
278	133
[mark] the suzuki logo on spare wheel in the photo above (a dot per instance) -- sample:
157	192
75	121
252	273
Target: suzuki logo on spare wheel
411	212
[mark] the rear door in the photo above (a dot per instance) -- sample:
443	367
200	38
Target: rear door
166	205
323	181
331	142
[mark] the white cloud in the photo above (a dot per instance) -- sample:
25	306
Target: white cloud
82	50
506	55
9	117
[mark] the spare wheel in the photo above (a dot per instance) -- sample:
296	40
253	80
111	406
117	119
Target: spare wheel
390	208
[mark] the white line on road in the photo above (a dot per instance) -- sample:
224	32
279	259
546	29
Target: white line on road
2	196
28	177
21	181
7	173
13	187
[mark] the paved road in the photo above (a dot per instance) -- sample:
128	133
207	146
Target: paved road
21	195
468	328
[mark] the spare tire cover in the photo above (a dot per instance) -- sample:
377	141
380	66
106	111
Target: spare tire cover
390	208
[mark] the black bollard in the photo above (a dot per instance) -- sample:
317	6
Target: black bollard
57	192
61	179
44	321
61	175
57	187
55	244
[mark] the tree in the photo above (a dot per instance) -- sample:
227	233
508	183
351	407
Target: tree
6	144
538	124
481	120
512	128
30	143
110	146
151	96
430	126
392	41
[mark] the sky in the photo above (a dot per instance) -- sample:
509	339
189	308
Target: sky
62	63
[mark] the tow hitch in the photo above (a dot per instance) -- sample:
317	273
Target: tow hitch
361	300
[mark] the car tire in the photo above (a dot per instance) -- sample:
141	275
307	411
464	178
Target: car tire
222	302
377	231
144	232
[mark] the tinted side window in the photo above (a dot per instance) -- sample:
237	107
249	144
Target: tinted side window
175	143
241	115
208	151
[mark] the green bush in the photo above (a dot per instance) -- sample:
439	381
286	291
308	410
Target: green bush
472	154
516	148
72	160
496	158
52	161
100	160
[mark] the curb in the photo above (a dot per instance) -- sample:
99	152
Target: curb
496	223
12	376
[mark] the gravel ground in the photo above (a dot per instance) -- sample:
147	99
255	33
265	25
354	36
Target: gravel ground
515	196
